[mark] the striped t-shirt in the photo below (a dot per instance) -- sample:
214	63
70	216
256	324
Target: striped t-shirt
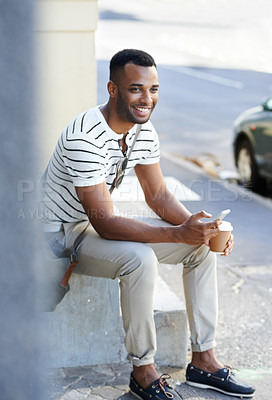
86	154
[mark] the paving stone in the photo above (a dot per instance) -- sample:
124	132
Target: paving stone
107	392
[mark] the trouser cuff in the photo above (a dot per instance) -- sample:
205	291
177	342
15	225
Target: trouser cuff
138	362
199	348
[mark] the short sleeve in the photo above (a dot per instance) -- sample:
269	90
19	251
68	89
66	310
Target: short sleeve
84	162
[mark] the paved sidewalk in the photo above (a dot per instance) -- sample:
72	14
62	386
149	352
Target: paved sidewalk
244	341
110	382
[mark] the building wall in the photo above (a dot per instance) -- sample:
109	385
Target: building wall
65	66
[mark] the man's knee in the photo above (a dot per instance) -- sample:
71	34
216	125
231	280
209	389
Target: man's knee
199	255
142	261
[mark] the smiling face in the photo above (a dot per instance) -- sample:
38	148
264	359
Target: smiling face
137	93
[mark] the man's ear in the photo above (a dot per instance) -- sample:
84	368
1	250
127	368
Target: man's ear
112	89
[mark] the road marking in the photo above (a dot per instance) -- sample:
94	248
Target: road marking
130	190
206	76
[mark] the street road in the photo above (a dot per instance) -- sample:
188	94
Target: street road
197	107
214	61
244	277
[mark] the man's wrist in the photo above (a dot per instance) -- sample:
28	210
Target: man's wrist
176	234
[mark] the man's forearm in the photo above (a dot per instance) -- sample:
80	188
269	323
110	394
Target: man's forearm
192	231
186	228
120	228
168	208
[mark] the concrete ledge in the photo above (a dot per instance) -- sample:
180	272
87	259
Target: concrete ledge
86	327
171	327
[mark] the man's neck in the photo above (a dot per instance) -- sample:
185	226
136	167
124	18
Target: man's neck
114	122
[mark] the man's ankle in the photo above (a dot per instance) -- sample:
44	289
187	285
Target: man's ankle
145	374
206	360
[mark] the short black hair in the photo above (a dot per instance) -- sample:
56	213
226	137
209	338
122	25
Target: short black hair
126	56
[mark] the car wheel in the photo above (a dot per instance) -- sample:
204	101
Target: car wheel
247	167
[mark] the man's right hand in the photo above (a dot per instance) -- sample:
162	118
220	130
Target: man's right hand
196	232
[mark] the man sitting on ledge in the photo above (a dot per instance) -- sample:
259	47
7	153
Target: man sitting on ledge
90	158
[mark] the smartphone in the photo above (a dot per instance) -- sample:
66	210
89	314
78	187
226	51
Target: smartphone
223	214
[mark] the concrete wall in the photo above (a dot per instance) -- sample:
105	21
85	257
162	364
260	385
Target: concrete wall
66	65
21	361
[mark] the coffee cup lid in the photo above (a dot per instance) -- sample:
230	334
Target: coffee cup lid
225	226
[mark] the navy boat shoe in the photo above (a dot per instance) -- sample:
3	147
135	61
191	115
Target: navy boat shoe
223	381
158	390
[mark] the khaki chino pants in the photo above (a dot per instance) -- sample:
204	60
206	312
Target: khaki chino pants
135	265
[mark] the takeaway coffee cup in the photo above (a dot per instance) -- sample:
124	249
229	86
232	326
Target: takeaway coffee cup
219	242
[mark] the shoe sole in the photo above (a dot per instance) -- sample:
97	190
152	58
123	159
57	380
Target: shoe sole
140	398
135	395
202	386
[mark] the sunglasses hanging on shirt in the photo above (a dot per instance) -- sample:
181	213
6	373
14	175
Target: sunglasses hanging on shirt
122	164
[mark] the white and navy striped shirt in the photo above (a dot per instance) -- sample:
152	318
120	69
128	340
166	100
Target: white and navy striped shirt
86	154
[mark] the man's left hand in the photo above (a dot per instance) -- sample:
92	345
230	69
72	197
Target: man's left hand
229	247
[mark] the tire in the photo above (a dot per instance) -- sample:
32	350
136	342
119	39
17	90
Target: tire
247	167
